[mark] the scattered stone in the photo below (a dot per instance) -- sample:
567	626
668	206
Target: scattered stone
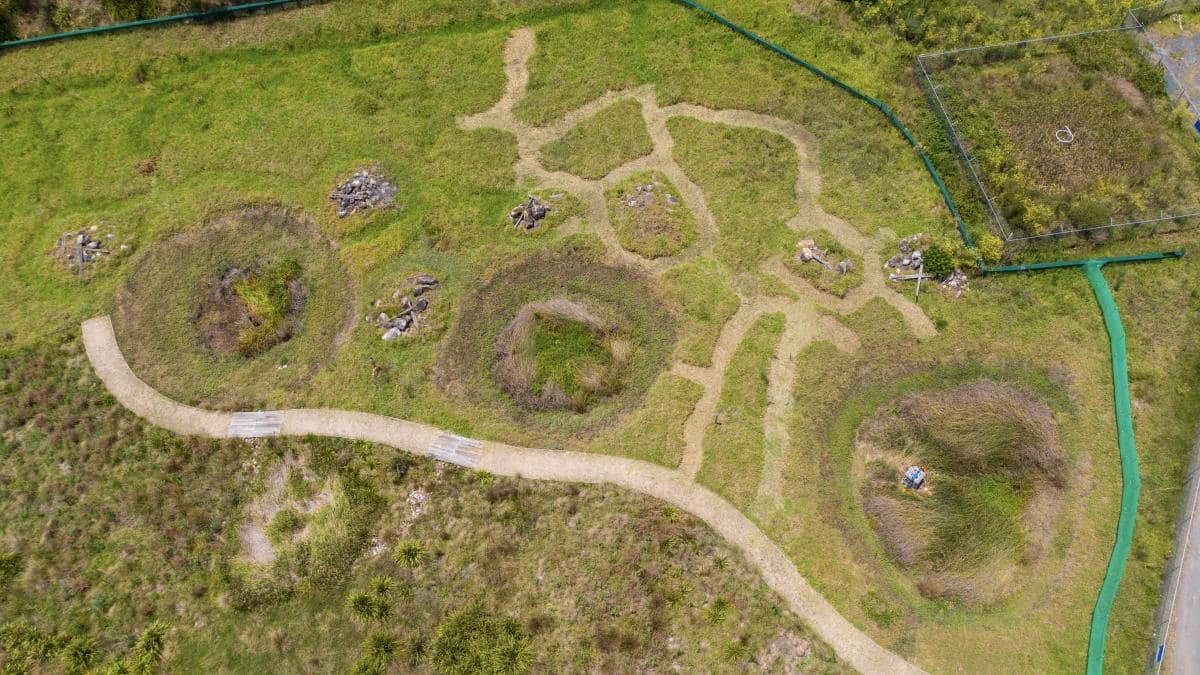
79	251
845	266
810	252
364	190
403	319
529	214
909	256
957	283
672	200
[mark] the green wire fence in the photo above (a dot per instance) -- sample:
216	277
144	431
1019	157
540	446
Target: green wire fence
211	14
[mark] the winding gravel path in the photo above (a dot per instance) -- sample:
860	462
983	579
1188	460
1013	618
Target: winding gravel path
851	644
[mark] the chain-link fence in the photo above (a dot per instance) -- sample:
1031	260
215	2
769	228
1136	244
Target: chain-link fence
951	106
1184	545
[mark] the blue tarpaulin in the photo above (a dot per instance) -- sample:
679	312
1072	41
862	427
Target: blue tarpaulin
1197	125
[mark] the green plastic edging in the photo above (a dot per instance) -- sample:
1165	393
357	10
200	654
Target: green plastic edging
1130	482
174	18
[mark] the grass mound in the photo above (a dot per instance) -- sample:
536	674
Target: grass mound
250	311
996	477
649	217
559	355
602	142
825	278
249	298
558	340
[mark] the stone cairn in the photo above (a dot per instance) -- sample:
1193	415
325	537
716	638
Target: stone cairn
80	250
364	190
413	303
810	252
529	214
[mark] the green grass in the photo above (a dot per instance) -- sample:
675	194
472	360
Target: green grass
655	432
733	448
601	143
654	227
267	297
565	352
707	303
737	166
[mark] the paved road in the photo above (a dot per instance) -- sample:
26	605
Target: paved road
851	644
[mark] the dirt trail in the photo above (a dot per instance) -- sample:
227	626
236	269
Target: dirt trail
780	574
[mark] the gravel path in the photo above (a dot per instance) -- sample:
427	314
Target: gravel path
851	644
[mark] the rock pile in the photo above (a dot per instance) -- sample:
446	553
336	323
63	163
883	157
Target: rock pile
643	195
78	251
810	252
364	190
956	283
909	256
529	213
405	316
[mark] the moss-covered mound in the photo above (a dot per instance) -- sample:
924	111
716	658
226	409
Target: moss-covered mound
250	297
558	340
995	479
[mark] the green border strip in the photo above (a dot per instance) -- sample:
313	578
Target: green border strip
1131	485
174	18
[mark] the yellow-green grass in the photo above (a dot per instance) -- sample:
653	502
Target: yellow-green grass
601	143
828	280
278	108
652	227
749	176
701	291
655	432
733	445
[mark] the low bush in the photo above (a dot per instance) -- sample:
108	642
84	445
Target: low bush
472	641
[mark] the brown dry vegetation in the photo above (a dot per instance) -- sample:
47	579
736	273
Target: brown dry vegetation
996	479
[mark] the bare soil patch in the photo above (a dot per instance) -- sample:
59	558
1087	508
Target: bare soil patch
226	321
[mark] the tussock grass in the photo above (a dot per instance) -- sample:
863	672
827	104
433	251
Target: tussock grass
162	319
480	346
601	143
992	451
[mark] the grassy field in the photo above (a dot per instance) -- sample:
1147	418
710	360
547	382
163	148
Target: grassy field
275	110
601	143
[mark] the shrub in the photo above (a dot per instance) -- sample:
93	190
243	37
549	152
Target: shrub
130	10
8	26
991	248
937	261
1088	212
472	641
361	606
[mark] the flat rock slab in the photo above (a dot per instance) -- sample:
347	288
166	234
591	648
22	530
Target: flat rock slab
456	450
256	424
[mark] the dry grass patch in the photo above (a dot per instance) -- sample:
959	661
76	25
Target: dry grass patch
996	481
